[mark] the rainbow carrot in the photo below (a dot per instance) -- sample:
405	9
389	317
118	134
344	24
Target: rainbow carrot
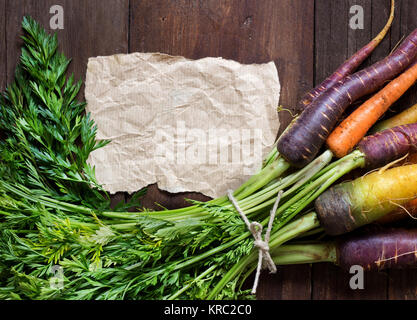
303	139
352	204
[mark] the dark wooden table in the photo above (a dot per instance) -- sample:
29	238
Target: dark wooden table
307	39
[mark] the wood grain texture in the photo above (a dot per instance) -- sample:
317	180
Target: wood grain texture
307	39
289	283
357	38
331	37
244	31
405	23
91	28
248	32
156	199
402	284
331	283
380	11
117	198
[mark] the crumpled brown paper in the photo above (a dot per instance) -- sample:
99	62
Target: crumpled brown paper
189	125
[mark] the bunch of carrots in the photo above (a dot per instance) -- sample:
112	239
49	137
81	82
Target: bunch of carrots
324	106
386	194
389	192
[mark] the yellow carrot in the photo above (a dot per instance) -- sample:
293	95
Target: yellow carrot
352	204
406	117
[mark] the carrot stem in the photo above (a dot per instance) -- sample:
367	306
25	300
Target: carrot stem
305	253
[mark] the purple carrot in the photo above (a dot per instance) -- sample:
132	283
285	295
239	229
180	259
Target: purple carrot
348	66
373	250
392	248
302	140
388	145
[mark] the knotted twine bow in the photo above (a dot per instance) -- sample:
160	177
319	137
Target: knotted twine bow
255	228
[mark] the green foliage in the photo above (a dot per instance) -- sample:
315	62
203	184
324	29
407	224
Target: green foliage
46	137
53	212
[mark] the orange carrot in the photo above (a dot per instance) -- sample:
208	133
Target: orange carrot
353	128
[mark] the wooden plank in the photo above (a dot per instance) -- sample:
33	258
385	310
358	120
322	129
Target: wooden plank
156	199
289	283
404	24
330	283
376	13
380	12
3	47
117	198
403	283
331	24
357	38
91	28
246	31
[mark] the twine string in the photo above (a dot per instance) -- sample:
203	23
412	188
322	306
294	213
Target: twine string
255	228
